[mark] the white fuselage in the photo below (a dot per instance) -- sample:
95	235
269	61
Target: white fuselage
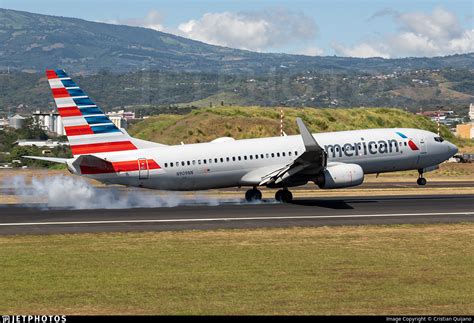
228	163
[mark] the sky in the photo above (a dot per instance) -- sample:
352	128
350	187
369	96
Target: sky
370	28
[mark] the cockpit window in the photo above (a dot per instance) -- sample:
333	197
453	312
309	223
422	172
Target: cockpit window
439	139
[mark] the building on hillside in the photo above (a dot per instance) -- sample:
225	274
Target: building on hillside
50	122
121	118
3	123
16	122
465	131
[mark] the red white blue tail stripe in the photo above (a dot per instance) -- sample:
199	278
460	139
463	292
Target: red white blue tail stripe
88	129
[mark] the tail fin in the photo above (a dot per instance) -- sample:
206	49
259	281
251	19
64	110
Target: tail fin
88	129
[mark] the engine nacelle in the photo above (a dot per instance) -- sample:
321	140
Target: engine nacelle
341	175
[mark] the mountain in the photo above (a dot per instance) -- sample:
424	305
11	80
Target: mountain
32	43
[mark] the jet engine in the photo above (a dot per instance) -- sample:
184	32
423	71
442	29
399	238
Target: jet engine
340	175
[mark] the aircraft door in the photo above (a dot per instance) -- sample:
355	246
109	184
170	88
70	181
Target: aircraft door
143	171
422	145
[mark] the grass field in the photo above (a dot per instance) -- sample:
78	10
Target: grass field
409	269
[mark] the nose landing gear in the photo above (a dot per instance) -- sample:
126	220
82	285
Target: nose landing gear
421	180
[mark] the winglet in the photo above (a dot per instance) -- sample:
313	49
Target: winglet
308	139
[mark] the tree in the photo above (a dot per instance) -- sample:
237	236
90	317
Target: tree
31	130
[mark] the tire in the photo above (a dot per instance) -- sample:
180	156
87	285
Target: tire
287	196
253	195
278	195
284	196
421	181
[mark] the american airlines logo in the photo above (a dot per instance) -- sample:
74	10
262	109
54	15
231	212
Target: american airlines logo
368	148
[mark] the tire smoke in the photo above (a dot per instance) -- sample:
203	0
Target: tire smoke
67	192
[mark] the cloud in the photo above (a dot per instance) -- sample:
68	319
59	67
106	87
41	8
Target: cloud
310	51
153	20
363	50
258	30
441	24
419	34
463	44
382	13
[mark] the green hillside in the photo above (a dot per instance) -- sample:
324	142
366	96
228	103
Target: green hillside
252	122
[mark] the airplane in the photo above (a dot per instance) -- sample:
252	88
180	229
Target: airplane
331	160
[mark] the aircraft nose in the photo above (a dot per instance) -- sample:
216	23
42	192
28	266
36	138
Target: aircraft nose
453	150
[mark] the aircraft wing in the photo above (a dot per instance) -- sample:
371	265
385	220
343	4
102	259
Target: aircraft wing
49	159
309	163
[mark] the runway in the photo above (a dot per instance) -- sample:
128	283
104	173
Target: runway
302	212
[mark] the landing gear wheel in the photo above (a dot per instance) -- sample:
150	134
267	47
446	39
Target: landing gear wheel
253	195
421	181
284	196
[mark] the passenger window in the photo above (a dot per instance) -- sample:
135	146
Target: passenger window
233	158
166	164
261	156
245	157
256	156
183	163
405	143
204	161
199	162
289	153
251	157
239	158
296	153
171	164
283	154
278	154
215	160
194	162
222	160
268	155
273	155
189	163
227	159
210	160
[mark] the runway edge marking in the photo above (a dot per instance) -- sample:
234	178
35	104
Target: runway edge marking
310	217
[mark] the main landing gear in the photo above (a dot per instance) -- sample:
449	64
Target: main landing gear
284	195
421	180
253	195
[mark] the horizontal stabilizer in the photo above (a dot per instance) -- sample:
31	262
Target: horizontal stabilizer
49	159
142	144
